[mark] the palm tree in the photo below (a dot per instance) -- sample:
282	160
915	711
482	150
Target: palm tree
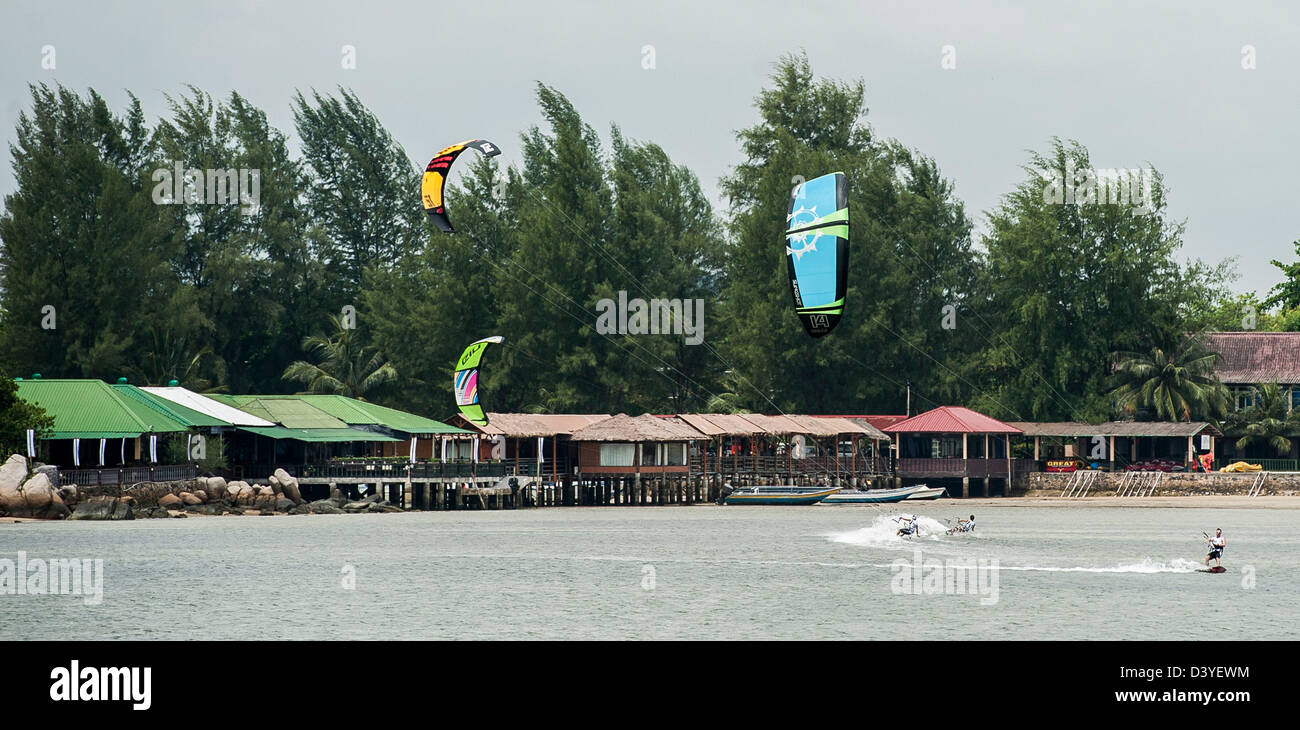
174	358
729	400
1269	421
1178	386
347	366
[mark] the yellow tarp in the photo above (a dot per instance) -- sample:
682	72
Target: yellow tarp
1238	466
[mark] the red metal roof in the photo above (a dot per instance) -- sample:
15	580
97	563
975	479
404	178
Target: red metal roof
951	419
1256	357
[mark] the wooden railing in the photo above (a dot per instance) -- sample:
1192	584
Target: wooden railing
777	465
962	467
127	475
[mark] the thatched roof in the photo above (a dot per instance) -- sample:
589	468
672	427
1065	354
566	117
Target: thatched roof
531	425
638	429
1075	429
756	424
722	424
844	426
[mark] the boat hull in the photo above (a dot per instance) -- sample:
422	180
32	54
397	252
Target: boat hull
929	493
874	496
788	498
863	498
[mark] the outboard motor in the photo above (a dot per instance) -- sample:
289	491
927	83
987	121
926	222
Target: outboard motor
726	489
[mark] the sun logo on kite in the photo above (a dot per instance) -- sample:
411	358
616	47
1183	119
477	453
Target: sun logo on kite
802	238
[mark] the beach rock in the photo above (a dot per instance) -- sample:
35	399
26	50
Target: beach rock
324	507
48	470
190	499
214	509
355	507
68	493
216	488
290	485
154	513
274	484
336	496
384	507
240	492
41	499
169	501
283	504
104	508
13	472
300	509
265	491
202	495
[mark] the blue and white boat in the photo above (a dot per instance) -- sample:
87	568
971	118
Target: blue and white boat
873	496
779	495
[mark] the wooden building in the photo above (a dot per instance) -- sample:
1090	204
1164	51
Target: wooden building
950	445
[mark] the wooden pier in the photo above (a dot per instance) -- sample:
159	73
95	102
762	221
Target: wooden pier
426	489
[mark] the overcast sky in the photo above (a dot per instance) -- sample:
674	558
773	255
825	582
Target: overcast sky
1139	84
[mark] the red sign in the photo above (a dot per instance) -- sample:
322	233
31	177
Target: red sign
1062	465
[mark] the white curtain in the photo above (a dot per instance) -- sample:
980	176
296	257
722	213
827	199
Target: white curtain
124	450
31	443
474	450
444	449
76	452
541	449
617	454
103	445
153	448
413	440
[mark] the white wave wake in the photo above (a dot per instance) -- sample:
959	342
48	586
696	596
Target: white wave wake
883	532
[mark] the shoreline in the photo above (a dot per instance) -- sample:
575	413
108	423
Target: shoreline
1200	501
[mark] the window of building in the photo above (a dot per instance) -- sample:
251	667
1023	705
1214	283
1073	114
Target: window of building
617	454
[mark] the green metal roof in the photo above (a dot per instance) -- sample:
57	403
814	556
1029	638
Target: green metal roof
318	435
93	409
357	412
175	411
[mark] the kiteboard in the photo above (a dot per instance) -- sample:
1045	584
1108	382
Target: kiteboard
1215	569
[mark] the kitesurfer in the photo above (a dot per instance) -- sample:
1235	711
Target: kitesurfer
1217	543
908	526
967	525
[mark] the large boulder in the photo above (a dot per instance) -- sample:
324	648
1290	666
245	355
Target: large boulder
13	472
275	484
104	508
42	499
264	500
216	488
202	495
283	504
240	492
170	501
68	493
12	475
290	485
189	499
324	507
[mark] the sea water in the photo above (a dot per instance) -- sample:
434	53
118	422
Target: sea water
702	572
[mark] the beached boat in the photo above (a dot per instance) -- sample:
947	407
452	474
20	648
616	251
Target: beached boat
872	496
925	492
779	495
